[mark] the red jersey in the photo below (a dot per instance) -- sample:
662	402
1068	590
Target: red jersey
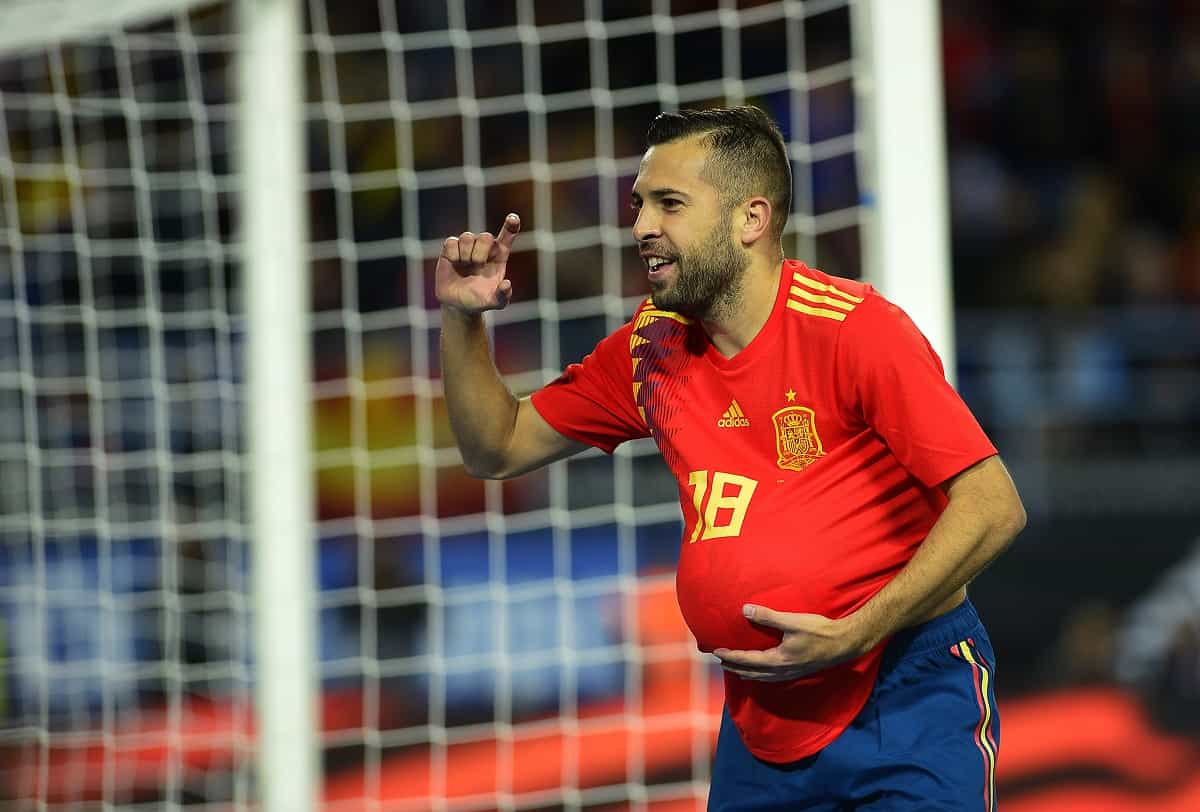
807	467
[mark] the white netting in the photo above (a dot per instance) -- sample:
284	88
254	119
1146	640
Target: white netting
122	551
511	646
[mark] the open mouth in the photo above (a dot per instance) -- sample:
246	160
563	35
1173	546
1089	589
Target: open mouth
659	267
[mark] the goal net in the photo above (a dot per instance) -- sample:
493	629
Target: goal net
481	645
123	556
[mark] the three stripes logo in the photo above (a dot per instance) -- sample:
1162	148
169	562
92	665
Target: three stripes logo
733	417
815	298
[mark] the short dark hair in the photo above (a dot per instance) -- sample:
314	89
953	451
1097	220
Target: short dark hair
748	156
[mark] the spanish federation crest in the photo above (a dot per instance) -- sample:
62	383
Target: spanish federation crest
796	437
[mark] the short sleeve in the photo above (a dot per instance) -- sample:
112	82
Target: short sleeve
592	401
891	376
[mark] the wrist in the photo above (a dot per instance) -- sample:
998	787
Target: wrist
456	313
863	632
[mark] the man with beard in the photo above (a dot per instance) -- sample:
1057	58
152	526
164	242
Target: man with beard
837	494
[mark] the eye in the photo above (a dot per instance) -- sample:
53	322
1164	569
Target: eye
671	203
635	204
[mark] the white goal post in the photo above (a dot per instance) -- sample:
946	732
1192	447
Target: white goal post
278	399
908	240
217	224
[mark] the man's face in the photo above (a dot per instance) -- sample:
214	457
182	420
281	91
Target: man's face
684	233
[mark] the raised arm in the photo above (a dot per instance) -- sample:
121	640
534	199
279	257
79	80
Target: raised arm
499	436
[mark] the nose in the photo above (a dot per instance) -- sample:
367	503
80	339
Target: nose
647	225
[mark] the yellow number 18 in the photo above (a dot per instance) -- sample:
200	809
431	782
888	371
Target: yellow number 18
727	491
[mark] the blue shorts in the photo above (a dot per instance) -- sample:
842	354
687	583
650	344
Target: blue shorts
927	739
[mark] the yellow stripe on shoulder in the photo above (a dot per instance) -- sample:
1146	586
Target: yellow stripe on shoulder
823	288
652	313
836	315
832	301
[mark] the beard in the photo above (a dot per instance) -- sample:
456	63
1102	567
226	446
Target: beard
708	278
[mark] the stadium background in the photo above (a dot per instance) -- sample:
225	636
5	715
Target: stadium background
1075	202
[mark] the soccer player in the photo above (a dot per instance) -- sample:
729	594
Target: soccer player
837	494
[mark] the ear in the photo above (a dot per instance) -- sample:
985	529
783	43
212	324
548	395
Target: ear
756	220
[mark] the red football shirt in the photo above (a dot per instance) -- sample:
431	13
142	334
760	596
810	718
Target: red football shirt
807	467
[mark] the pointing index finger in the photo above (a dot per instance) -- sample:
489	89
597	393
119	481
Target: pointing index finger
509	230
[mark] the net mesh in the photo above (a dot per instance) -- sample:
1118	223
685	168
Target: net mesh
483	645
122	547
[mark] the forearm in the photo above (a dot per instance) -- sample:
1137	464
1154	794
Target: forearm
955	551
982	517
977	525
482	409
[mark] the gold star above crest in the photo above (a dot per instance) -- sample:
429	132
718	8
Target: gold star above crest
790	394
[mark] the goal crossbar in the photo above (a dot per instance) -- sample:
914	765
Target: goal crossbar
29	24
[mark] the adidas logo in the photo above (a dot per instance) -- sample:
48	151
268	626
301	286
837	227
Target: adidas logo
734	417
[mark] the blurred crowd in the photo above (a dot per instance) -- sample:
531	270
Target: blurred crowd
1073	161
1075	208
1075	205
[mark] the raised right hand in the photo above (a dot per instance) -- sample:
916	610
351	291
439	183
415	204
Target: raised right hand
470	272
